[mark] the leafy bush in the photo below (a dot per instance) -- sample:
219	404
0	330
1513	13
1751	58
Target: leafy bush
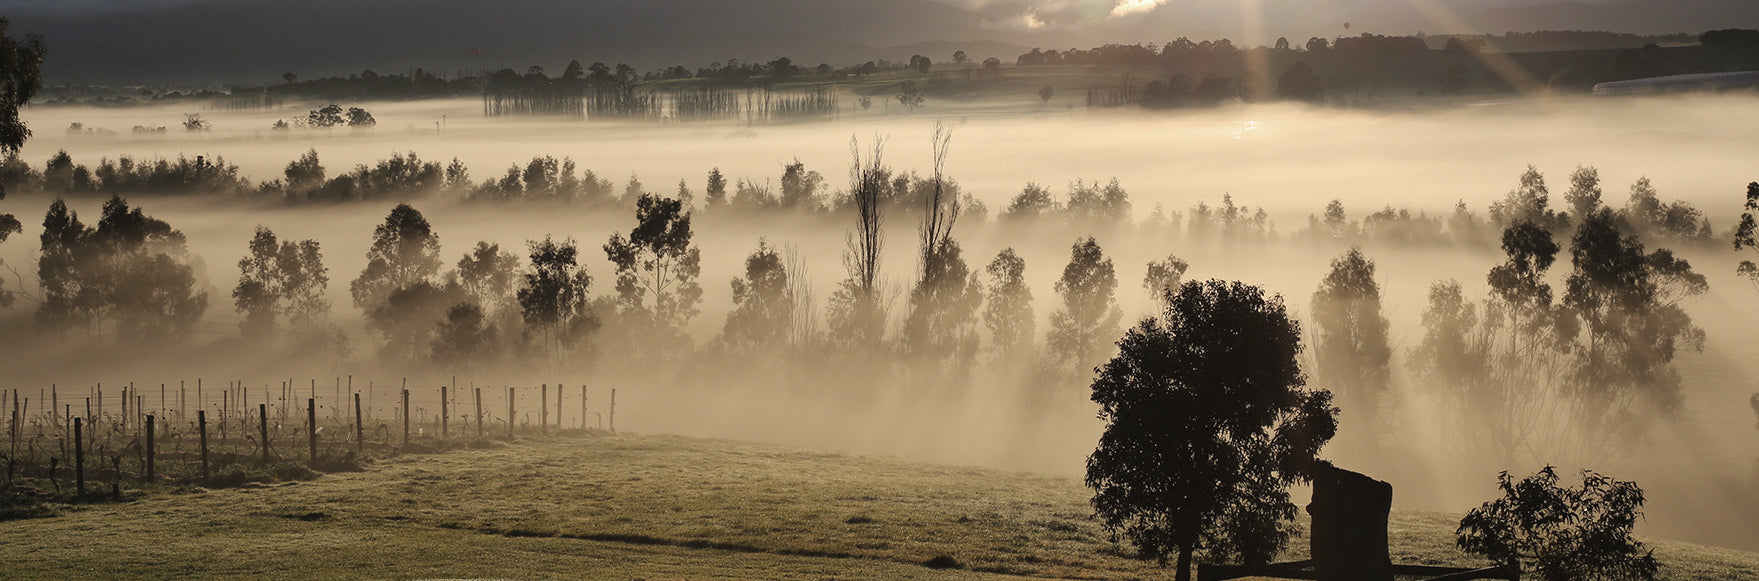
1561	534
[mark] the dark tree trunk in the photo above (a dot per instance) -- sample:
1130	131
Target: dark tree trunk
1183	573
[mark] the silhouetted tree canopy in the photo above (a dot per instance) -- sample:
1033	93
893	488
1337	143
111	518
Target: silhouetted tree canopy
553	298
132	271
281	279
1208	422
405	251
1747	234
1082	328
1351	350
1008	311
656	264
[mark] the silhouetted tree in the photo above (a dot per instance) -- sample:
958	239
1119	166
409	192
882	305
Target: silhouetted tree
304	174
405	251
910	95
941	325
1008	310
715	192
1652	217
1584	194
325	117
1082	328
358	117
1164	278
21	62
132	270
1350	344
1628	302
463	339
408	319
856	312
487	275
1208	422
763	305
657	266
1529	202
1032	202
553	298
1747	234
279	279
920	64
1558	534
800	186
1045	93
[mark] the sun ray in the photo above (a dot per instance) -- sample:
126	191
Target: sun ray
1499	63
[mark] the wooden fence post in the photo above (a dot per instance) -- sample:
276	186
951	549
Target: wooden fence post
359	434
406	417
263	428
510	413
150	450
613	410
543	411
582	407
479	412
445	412
311	425
79	455
201	427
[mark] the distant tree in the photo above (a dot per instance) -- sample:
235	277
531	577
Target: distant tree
305	173
920	64
992	66
290	78
358	118
407	320
1584	194
1282	43
132	270
959	57
763	304
1032	202
1557	534
325	117
910	96
1164	278
856	312
553	298
1318	45
866	102
1747	234
279	279
800	186
716	191
1207	424
487	275
1298	83
1651	216
1628	303
463	339
1529	202
1082	328
1008	311
1045	93
193	122
405	251
656	264
1351	350
1094	205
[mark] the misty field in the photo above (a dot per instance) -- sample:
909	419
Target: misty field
592	505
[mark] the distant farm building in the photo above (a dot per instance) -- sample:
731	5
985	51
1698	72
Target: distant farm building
1698	83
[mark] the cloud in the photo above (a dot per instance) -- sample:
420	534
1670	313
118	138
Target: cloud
1128	7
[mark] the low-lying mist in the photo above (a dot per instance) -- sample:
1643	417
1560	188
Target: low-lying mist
1289	160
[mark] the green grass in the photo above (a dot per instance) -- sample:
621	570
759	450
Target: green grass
641	507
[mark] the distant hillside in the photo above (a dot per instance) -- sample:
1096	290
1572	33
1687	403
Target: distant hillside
213	42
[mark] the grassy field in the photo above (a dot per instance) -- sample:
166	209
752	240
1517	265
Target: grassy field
648	507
